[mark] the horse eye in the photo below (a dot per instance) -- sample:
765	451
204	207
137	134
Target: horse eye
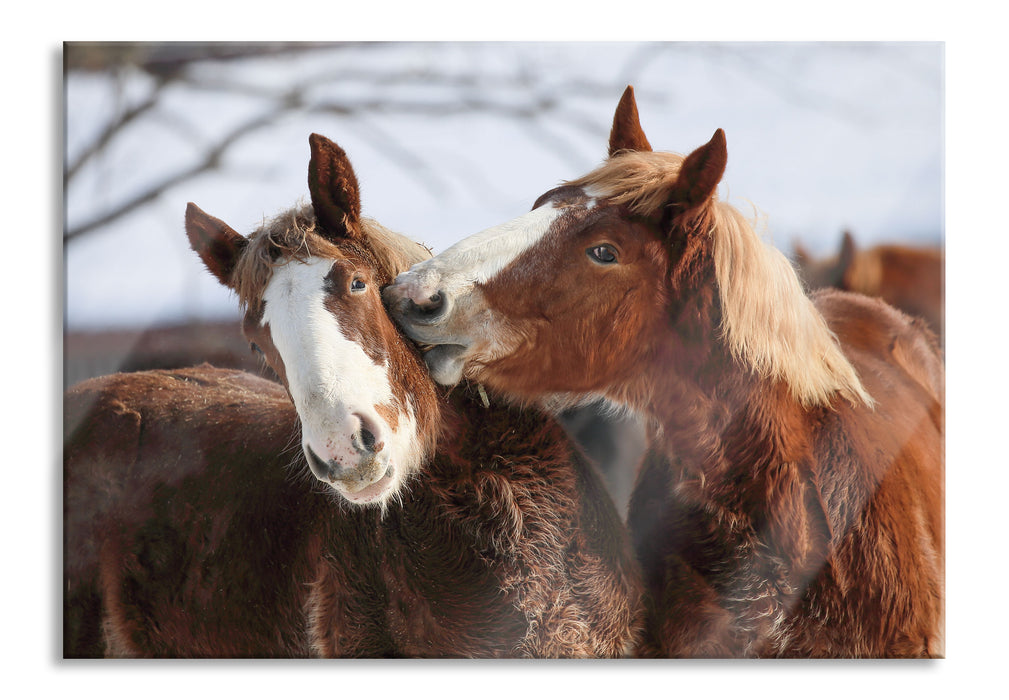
603	254
358	286
255	348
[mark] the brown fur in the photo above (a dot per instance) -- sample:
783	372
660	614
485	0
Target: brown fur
193	527
801	533
792	500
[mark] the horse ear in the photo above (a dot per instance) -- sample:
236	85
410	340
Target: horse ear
847	255
626	134
334	189
217	244
700	174
846	261
802	257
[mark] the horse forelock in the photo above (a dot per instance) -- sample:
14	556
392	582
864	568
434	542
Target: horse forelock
393	253
769	323
293	235
640	180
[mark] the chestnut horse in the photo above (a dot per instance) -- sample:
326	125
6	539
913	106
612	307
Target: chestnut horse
908	278
791	502
410	523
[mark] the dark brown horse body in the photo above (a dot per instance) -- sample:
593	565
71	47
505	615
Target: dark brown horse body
193	526
194	529
791	501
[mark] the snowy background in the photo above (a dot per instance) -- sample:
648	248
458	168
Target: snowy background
449	138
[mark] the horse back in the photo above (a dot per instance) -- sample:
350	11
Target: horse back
178	505
192	529
874	334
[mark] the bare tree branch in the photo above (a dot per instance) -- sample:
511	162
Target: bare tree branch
522	97
209	162
387	144
102	140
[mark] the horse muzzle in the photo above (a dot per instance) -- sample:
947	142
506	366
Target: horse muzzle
363	482
431	315
354	464
446	363
418	312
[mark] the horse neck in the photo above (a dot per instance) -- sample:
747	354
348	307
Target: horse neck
478	428
736	447
707	410
430	411
464	421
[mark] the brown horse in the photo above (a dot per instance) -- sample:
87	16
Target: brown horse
907	278
434	525
791	503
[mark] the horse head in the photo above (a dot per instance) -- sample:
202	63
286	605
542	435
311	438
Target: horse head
635	265
588	256
309	283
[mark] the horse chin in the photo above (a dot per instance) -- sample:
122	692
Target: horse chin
375	493
446	362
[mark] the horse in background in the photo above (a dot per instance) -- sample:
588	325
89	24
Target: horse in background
412	521
791	502
908	278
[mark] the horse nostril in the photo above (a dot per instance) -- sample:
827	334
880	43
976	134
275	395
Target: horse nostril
367	440
318	467
324	470
428	308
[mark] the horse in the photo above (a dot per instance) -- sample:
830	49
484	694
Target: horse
790	503
413	522
906	277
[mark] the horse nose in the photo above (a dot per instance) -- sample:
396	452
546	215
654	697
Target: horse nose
364	440
425	309
324	470
410	301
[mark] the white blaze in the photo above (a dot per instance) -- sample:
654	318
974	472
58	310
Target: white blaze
477	258
331	379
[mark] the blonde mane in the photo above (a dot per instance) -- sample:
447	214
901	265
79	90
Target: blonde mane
768	322
292	235
639	180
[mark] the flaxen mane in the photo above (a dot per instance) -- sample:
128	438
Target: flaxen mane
767	320
293	235
779	511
